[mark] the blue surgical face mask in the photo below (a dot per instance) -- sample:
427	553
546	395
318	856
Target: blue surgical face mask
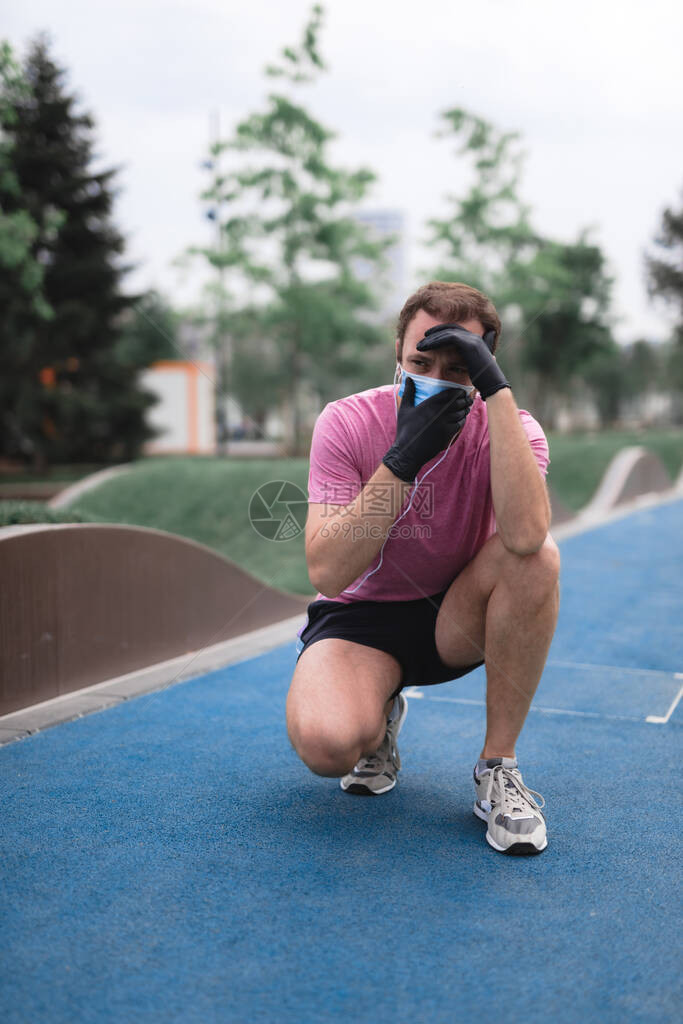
425	386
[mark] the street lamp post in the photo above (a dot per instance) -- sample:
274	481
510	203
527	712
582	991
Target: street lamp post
222	341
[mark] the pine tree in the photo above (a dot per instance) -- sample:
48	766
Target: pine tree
68	392
22	273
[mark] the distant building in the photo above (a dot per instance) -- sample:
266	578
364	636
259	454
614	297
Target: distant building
383	224
184	413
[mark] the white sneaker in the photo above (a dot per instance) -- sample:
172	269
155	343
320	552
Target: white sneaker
515	822
376	774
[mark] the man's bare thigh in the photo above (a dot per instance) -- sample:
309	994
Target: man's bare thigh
460	628
342	678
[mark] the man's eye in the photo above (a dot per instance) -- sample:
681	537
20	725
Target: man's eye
451	369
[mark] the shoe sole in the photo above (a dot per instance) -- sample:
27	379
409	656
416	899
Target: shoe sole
359	790
516	849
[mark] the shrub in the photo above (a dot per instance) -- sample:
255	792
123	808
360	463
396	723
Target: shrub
13	513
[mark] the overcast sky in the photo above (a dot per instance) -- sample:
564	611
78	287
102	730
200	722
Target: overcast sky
593	88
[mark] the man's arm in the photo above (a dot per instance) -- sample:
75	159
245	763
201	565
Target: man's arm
339	550
520	497
341	545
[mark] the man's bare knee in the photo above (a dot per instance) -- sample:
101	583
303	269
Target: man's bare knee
336	704
535	574
325	752
332	748
545	566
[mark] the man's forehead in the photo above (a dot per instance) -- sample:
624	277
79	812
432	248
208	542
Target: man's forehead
422	321
422	318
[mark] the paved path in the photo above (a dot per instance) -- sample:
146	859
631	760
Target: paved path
170	859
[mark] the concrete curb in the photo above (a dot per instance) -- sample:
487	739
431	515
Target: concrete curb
634	471
88	483
591	520
244	449
153	678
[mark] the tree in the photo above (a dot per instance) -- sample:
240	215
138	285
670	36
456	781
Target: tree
664	276
488	229
563	293
290	241
553	298
643	368
65	393
22	273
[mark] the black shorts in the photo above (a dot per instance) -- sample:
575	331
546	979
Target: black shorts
404	629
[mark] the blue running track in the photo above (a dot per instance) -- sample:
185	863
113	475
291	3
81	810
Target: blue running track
170	859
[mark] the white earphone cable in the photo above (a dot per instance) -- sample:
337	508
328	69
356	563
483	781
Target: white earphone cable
416	484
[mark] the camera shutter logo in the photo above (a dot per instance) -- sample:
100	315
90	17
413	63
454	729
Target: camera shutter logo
277	510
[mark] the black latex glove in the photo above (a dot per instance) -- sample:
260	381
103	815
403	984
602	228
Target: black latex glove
483	370
423	430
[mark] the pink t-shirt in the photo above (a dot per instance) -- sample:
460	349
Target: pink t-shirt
451	516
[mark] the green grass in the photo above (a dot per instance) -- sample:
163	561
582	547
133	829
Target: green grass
14	513
578	461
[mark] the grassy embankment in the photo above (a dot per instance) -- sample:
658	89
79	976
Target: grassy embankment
578	461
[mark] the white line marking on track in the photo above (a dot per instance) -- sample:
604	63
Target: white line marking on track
542	710
659	720
460	700
413	691
615	668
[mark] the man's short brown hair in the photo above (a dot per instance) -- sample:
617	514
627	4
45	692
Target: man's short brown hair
452	302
